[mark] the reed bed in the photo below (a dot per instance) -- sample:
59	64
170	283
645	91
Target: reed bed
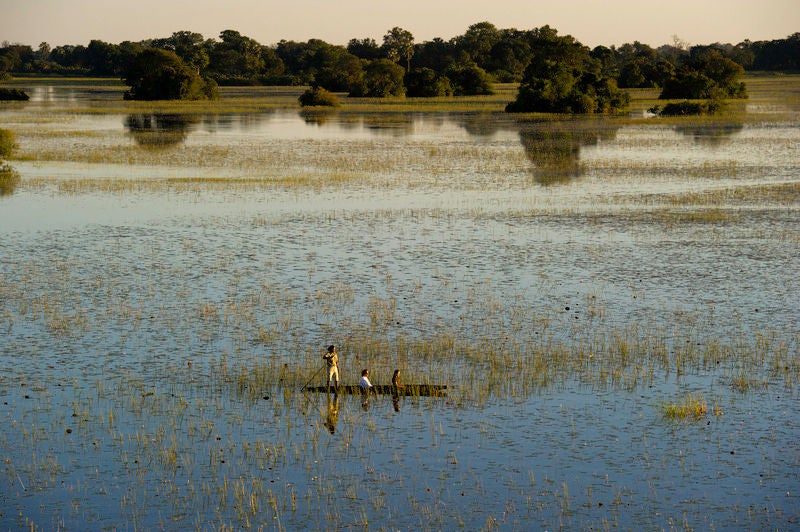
493	351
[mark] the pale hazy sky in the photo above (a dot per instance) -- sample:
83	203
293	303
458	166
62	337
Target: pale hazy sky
592	22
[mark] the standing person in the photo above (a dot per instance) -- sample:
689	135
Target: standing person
332	360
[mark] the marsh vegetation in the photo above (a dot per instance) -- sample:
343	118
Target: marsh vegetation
611	302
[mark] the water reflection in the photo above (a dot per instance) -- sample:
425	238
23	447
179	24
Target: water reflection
65	94
480	125
712	134
162	130
554	148
159	130
332	417
316	117
393	125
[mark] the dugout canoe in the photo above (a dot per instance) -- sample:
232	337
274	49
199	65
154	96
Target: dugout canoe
419	390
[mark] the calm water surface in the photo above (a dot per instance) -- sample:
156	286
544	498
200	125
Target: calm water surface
463	226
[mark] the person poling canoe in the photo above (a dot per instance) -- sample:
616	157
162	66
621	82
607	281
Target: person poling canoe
332	361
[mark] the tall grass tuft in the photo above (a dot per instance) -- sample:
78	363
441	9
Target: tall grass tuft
693	407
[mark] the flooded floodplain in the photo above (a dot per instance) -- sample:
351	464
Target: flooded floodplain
611	302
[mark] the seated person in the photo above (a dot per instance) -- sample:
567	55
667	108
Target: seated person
364	382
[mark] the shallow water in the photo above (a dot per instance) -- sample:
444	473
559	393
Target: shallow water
488	231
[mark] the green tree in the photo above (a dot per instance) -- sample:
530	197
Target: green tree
382	78
6	64
69	59
102	58
157	74
780	54
317	62
189	46
435	54
17	57
478	41
424	82
509	57
365	48
293	54
469	79
706	75
331	66
238	59
562	77
126	53
607	59
641	66
398	44
43	52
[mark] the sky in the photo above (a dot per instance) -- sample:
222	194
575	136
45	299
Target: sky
592	22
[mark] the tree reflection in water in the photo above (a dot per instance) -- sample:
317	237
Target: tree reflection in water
159	130
711	135
316	117
554	147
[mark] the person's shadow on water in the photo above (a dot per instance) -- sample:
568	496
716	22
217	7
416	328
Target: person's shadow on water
332	417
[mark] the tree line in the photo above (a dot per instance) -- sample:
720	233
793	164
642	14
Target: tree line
555	72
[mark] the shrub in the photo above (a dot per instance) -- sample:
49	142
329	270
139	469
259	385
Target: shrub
7	142
317	96
13	94
687	108
9	180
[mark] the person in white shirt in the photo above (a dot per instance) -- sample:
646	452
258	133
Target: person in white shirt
365	386
364	382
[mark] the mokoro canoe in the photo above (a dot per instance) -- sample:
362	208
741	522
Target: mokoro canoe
421	390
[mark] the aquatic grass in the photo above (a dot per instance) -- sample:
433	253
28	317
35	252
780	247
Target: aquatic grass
706	216
692	407
743	383
9	179
492	339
